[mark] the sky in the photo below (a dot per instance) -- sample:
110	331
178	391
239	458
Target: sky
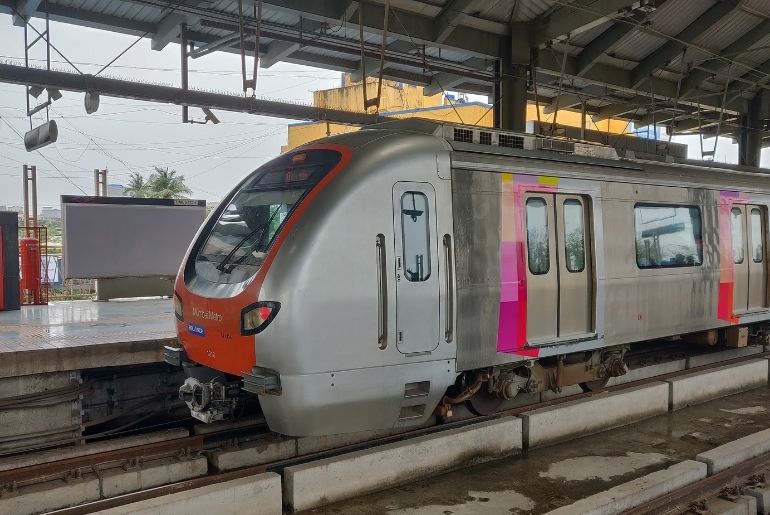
128	136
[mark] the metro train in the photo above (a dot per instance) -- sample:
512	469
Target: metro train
379	278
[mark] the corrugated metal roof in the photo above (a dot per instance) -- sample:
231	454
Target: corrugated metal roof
668	20
581	39
328	40
525	10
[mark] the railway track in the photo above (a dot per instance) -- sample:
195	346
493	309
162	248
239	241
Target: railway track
215	440
699	497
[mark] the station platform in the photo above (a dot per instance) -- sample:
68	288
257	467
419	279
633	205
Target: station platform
82	334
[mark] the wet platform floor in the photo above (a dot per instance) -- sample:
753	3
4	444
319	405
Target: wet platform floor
547	478
85	322
72	335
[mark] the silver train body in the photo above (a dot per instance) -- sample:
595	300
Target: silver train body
444	262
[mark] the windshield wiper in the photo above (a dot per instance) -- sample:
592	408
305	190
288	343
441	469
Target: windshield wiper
263	228
229	256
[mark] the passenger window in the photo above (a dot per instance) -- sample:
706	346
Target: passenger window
668	236
756	236
537	236
736	219
416	236
574	239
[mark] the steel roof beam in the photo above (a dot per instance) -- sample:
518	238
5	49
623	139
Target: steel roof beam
372	67
577	17
373	63
404	25
168	95
565	100
24	9
441	82
601	44
167	30
614	110
622	79
763	70
215	45
332	63
352	48
447	21
278	50
666	52
87	19
739	46
349	66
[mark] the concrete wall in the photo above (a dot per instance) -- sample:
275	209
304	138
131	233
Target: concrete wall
408	102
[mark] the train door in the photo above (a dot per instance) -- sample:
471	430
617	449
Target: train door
749	272
574	258
559	272
542	274
417	273
757	271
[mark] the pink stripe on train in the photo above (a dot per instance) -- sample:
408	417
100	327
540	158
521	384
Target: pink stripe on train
726	265
512	314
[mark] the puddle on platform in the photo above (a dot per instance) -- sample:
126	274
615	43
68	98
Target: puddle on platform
750	410
601	467
476	503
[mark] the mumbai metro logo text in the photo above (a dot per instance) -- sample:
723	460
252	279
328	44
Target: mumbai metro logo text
206	314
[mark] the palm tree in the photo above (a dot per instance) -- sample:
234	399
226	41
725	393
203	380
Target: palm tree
165	183
137	187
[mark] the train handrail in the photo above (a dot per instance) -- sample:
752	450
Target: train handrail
382	294
449	302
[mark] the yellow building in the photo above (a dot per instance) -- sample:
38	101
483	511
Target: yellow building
399	100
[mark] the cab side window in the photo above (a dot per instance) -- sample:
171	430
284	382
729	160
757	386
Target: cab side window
416	236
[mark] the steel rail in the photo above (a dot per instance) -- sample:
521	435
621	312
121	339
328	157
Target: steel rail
679	500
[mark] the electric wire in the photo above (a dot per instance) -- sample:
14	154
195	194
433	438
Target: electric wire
43	156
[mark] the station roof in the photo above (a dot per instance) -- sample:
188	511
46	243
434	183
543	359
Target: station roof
693	64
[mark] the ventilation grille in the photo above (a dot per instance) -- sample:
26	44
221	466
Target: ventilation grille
464	135
510	141
527	142
420	389
556	145
412	412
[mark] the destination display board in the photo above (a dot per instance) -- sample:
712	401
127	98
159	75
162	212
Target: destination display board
111	237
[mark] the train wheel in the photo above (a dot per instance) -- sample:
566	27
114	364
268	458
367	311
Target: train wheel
595	386
484	403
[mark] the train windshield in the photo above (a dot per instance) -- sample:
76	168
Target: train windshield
239	240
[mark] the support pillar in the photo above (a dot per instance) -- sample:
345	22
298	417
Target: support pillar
185	74
100	182
511	94
751	131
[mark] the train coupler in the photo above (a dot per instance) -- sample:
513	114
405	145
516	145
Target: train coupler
210	401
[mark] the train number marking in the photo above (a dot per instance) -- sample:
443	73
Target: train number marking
196	329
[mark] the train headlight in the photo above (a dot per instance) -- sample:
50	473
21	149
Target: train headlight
256	317
178	307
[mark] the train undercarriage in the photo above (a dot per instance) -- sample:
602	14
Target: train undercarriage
485	391
213	396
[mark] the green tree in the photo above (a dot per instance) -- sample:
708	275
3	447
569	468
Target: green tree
137	186
165	183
